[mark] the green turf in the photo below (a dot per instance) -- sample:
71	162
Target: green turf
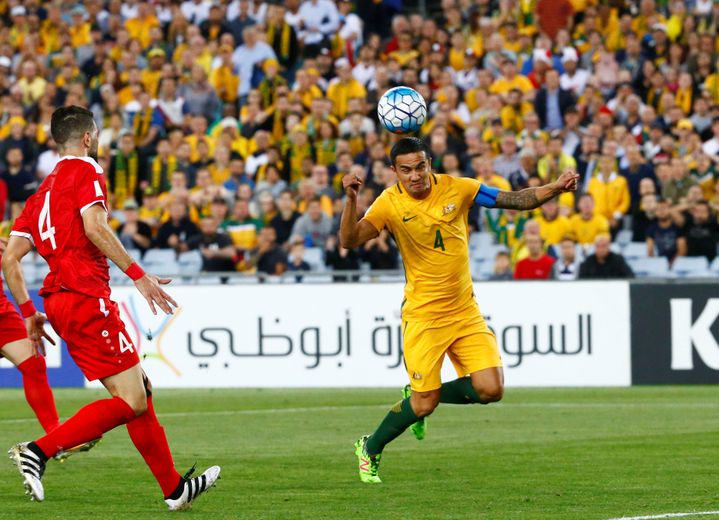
287	454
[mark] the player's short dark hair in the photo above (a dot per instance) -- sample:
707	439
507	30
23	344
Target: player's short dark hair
69	123
408	145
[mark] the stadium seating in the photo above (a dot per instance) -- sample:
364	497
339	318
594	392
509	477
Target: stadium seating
314	278
315	257
691	267
161	262
650	266
190	262
480	240
624	237
29	268
635	250
488	253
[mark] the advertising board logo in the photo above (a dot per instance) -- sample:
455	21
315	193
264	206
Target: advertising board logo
690	335
148	336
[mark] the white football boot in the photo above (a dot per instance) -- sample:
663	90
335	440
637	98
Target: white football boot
193	488
31	468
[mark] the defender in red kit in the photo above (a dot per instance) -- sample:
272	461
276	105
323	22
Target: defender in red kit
67	222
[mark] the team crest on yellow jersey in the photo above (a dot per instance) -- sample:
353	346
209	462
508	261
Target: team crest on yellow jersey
449	208
417	375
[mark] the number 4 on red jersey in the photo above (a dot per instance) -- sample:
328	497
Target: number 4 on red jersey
52	220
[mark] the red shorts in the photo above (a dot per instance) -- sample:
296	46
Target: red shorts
94	333
12	326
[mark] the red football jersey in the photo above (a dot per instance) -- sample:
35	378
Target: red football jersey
52	220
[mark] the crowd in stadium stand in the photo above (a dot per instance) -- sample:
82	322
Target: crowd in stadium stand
226	127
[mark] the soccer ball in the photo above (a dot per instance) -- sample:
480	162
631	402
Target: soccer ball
402	110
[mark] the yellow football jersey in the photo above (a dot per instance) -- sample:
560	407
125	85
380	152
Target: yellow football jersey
432	235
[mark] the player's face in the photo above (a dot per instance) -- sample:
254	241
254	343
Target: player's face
413	171
94	139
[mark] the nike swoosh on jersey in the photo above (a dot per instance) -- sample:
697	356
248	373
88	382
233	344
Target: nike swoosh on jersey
407	219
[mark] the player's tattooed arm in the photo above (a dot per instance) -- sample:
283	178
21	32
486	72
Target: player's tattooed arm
522	200
530	198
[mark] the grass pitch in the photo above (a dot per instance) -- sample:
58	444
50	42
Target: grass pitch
287	454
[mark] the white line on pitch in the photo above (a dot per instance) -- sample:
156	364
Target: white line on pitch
371	406
238	412
668	515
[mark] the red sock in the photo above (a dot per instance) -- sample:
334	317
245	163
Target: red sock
89	423
149	438
38	393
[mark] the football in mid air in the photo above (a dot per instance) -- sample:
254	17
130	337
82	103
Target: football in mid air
402	110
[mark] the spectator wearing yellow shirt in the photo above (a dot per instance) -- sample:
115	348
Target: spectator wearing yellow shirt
204	192
19	28
711	84
306	89
269	85
457	51
150	212
69	74
512	37
493	135
140	26
555	161
199	133
684	96
220	167
134	86
512	114
307	192
405	52
647	17
298	150
80	30
553	227
31	84
344	87
610	192
617	35
510	80
50	30
482	168
242	227
151	76
223	77
587	224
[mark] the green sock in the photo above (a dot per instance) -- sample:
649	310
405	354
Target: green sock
399	418
459	391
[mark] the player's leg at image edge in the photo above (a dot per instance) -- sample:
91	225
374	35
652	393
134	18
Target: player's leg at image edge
400	417
101	416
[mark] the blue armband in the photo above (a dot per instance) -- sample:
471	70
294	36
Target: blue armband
486	196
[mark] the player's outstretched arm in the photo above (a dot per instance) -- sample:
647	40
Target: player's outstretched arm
353	233
17	247
100	233
530	198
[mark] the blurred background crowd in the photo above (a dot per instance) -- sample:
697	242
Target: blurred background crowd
226	126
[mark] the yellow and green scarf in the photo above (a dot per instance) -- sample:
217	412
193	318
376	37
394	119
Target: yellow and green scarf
126	172
141	124
284	39
161	173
